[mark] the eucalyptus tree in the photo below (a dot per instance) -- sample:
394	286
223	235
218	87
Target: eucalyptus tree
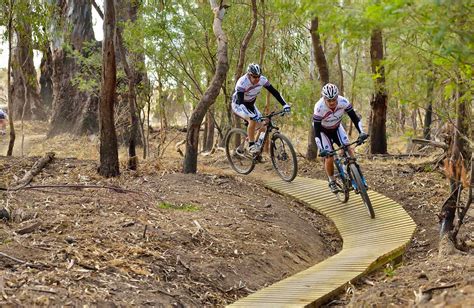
24	21
209	97
127	12
74	107
109	163
8	20
29	21
322	65
451	43
175	40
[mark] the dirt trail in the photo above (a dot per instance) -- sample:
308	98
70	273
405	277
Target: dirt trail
28	141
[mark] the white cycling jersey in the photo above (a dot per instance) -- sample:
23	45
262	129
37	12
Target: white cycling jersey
330	119
250	91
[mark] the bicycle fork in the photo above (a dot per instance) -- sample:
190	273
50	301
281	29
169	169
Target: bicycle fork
353	183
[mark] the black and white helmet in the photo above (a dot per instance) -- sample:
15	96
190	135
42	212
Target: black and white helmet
330	91
254	69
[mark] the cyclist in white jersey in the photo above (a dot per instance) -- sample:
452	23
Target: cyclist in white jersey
243	100
327	117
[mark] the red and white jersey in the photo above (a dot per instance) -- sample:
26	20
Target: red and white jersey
330	119
250	91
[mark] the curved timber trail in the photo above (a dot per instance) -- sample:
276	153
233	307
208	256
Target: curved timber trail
367	244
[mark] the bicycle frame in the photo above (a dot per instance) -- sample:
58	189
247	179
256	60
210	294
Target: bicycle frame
345	159
269	128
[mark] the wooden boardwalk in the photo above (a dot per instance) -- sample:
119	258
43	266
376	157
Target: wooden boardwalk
367	244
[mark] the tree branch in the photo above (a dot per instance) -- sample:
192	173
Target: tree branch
97	8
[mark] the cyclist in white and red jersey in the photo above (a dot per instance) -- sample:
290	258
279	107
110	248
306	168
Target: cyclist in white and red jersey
327	117
243	100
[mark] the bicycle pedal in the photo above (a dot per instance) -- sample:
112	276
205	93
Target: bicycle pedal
259	159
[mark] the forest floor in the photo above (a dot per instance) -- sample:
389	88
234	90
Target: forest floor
201	240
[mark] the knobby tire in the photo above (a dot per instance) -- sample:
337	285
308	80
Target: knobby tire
362	190
233	157
289	154
343	194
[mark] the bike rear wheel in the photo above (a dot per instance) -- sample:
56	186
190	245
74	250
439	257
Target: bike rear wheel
343	190
357	177
283	157
236	149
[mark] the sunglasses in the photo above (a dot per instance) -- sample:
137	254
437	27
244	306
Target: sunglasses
331	100
255	76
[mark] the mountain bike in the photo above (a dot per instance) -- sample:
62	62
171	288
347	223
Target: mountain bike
282	153
348	176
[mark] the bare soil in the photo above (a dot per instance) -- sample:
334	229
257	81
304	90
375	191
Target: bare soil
204	239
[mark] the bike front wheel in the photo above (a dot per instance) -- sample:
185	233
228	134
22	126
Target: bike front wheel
357	177
236	149
343	190
283	157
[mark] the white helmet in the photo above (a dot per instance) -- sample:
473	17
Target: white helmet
330	91
254	69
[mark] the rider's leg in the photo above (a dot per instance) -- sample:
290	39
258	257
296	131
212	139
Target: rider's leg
245	114
328	138
251	131
329	165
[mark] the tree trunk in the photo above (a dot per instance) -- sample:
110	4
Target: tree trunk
245	42
429	109
341	73
321	63
263	47
243	49
319	54
209	97
24	79
457	167
46	79
128	14
402	120
162	105
208	145
73	111
414	122
378	140
353	86
109	163
10	104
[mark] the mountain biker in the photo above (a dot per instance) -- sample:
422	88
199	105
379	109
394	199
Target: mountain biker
243	101
328	112
3	122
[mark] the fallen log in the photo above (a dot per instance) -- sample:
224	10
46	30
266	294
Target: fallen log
37	167
430	142
395	156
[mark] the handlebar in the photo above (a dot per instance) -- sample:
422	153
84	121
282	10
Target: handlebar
272	114
343	147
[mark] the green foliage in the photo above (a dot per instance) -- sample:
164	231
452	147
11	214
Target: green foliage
34	14
179	207
389	270
90	61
